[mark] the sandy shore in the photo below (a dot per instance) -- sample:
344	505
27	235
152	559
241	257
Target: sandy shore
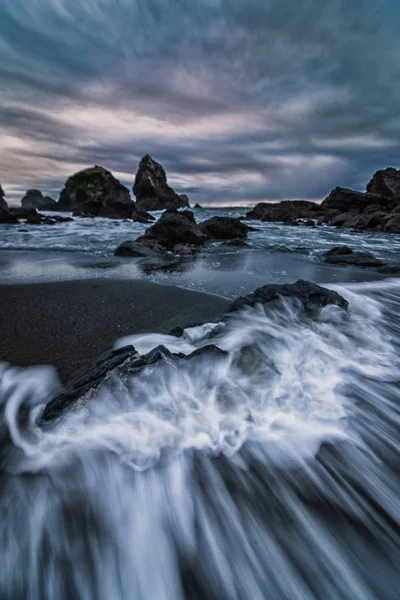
69	324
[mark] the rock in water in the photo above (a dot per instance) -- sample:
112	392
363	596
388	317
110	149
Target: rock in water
3	203
385	183
343	255
313	297
152	190
224	228
35	199
287	210
175	228
97	192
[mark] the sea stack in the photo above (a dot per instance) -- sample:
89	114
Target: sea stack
97	192
152	190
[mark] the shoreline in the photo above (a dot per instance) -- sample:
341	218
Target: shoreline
69	324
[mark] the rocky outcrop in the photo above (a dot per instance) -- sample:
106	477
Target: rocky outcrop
346	200
284	211
385	183
126	362
152	190
3	203
96	192
343	255
35	199
378	209
197	205
224	228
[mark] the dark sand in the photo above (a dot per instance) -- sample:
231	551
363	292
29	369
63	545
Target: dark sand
69	324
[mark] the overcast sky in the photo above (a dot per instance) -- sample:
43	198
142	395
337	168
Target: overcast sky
240	100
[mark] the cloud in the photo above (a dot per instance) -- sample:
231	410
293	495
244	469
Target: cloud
240	101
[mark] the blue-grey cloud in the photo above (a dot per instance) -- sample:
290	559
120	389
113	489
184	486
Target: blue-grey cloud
241	101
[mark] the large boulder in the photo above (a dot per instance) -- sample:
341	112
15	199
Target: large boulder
285	211
385	183
346	200
35	199
3	203
224	228
174	228
97	192
152	190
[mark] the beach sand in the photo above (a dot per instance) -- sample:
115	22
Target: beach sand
69	324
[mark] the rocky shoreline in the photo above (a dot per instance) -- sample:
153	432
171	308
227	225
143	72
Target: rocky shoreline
116	366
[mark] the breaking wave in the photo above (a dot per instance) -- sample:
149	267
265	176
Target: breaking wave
258	459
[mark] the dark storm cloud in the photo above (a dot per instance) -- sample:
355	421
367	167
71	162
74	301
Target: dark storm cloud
241	100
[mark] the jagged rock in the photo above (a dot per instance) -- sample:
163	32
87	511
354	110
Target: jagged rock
224	228
3	203
7	218
284	211
385	183
95	191
175	228
346	256
35	199
312	296
197	206
152	190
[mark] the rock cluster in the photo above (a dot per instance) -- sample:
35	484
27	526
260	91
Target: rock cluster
152	190
377	209
178	232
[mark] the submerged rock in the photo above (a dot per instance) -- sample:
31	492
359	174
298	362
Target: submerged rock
236	242
35	199
225	228
385	183
152	190
97	192
344	255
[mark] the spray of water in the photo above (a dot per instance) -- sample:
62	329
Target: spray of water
267	469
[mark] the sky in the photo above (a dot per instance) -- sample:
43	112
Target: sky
240	100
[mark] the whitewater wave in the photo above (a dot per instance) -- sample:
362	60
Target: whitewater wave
258	459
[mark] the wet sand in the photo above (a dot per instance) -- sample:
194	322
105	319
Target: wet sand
69	324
